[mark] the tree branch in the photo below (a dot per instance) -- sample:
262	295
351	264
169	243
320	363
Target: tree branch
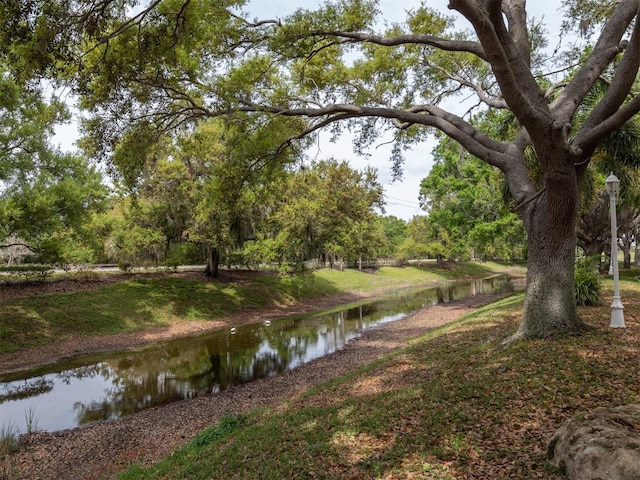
410	39
18	244
135	20
622	82
492	151
519	88
605	50
516	14
495	102
588	139
260	23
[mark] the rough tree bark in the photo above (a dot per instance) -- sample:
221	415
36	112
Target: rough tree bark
550	221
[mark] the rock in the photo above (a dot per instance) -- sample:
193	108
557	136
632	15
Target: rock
603	446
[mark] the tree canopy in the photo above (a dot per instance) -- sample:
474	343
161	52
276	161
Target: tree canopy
464	198
45	195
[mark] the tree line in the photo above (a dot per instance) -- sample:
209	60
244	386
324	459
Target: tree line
205	197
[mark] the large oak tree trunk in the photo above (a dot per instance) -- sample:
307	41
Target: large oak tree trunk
550	305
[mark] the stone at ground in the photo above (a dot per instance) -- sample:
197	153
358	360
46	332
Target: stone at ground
603	446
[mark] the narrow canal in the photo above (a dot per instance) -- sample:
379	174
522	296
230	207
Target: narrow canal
112	385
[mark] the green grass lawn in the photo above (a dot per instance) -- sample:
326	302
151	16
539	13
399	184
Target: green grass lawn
456	404
147	302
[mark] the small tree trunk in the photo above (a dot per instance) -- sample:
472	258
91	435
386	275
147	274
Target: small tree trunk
627	257
213	262
607	255
625	244
636	255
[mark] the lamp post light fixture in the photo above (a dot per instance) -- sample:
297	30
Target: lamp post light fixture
617	314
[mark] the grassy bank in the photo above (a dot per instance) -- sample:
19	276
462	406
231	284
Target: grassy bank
456	404
148	302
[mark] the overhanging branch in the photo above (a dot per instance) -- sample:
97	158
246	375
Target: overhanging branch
625	77
492	151
588	139
408	39
512	71
18	244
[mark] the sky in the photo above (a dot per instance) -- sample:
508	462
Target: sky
401	195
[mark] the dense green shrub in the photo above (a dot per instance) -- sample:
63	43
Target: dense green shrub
184	253
587	283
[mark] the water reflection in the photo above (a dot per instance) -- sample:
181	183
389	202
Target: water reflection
89	389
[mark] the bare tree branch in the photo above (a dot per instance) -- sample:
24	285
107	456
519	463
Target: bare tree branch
18	244
260	23
516	14
588	139
519	88
482	94
492	151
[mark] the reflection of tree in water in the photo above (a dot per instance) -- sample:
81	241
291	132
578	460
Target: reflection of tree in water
86	371
19	390
147	379
189	367
185	369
